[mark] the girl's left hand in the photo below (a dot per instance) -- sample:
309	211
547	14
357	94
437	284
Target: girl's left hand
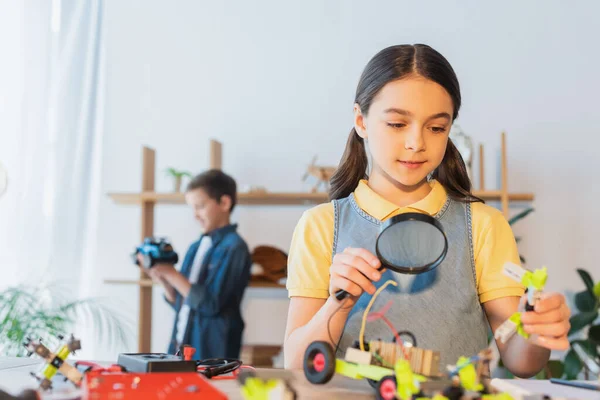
549	321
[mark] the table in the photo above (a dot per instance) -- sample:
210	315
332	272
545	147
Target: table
14	377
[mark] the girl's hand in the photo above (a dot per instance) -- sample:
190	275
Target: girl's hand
353	270
550	321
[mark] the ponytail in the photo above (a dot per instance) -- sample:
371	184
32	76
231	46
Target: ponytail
352	168
452	174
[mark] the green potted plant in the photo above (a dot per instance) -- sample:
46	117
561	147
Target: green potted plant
44	312
177	177
587	303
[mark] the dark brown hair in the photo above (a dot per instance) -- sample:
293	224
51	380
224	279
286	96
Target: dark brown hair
216	184
391	64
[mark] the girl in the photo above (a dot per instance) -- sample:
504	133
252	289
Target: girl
406	101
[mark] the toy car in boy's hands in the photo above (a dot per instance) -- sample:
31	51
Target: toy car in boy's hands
155	251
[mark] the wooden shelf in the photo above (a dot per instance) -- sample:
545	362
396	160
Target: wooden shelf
243	198
149	283
289	198
148	198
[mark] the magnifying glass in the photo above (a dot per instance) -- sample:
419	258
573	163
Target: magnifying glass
410	243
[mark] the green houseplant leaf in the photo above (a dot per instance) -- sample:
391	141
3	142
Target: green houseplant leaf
581	320
44	312
520	216
516	218
176	173
587	279
594	334
556	367
573	365
586	301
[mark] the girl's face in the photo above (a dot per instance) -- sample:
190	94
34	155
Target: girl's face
407	129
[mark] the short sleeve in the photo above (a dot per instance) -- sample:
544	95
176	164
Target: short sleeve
493	245
310	253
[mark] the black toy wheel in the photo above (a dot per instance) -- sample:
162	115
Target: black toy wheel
386	388
408	339
453	392
147	260
319	362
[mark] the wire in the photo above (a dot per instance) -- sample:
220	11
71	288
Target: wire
329	322
364	318
213	367
399	341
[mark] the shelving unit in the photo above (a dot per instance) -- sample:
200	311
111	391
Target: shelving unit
278	198
148	198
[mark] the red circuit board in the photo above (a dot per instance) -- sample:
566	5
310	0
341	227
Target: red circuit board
148	386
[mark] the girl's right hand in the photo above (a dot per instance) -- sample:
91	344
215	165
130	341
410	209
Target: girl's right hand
353	270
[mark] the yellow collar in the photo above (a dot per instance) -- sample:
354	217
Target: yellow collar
382	209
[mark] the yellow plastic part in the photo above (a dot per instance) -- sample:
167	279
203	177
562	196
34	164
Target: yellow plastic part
361	371
500	396
63	353
257	389
49	371
516	319
468	375
536	279
405	380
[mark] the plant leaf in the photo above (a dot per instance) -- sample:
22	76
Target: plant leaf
520	216
594	334
586	302
38	312
597	290
581	320
556	367
572	364
587	279
171	172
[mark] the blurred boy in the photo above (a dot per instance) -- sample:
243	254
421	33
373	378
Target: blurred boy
207	293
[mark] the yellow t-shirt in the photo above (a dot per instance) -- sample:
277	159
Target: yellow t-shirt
312	243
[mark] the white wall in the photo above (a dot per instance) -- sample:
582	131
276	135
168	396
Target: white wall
11	92
274	82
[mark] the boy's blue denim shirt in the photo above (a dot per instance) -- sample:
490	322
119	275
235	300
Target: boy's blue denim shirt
215	324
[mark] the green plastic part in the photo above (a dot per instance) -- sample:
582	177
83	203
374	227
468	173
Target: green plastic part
468	375
516	319
536	279
361	371
405	380
257	389
500	396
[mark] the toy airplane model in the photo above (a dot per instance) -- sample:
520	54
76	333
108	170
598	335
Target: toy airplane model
535	282
55	362
321	173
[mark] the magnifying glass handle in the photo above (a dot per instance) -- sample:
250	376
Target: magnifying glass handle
341	294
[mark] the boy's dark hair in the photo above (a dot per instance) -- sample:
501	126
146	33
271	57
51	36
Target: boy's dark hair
391	64
216	184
